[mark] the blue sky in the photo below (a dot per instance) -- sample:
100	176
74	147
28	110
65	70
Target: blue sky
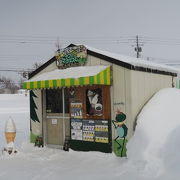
29	29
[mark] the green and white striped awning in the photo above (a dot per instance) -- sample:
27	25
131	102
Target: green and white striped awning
74	76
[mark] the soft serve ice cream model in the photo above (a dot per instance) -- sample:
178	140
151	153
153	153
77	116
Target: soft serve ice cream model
10	134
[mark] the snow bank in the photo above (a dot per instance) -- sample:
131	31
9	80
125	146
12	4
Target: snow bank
15	106
155	143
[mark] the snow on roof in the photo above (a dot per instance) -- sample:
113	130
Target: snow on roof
137	62
72	72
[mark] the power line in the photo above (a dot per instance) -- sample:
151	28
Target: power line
95	40
16	70
137	41
4	83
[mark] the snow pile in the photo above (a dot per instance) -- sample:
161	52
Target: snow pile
156	143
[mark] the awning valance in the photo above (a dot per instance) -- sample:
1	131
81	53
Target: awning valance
74	76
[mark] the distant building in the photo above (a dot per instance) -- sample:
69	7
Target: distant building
75	96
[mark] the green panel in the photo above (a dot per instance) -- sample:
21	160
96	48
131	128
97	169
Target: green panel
54	83
63	82
39	84
24	85
81	80
105	76
72	82
31	85
46	83
91	80
120	152
98	79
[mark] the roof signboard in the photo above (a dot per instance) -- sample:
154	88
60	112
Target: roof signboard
71	56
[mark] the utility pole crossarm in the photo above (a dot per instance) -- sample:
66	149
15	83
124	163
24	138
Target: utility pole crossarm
138	49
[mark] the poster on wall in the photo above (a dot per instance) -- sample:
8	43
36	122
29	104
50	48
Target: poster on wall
94	105
76	129
101	137
88	136
76	109
88	130
101	131
101	125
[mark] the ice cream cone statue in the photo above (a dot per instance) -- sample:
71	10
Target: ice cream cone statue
10	130
10	133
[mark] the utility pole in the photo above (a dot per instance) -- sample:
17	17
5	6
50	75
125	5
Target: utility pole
138	49
57	44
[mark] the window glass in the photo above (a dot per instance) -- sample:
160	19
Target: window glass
54	101
66	99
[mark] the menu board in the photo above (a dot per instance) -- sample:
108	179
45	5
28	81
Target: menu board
76	129
101	126
101	131
76	109
90	130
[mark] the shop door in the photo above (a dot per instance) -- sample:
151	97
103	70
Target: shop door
57	111
55	130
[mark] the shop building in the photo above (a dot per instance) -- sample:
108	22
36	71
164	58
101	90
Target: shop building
79	93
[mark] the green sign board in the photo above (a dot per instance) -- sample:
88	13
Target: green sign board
71	56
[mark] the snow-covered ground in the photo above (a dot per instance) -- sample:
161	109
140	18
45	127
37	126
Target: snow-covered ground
15	106
153	152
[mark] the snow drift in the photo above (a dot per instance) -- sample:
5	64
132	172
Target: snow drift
155	143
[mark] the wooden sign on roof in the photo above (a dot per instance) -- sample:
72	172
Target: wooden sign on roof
71	56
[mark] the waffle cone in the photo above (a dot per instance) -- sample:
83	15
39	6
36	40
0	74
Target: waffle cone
10	136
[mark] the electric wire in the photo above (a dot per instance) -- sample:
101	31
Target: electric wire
105	40
98	40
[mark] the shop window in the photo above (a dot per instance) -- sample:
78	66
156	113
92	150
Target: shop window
94	105
54	101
